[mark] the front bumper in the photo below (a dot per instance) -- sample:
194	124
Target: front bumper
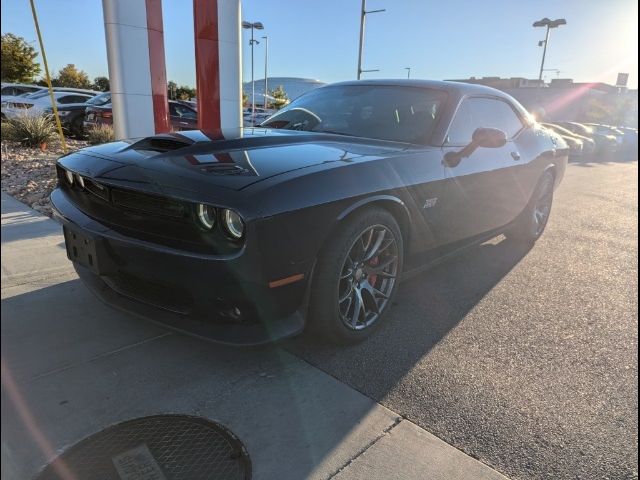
225	299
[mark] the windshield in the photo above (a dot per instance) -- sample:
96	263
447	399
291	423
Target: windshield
101	99
400	114
38	94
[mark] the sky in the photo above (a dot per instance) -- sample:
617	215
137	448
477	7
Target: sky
319	39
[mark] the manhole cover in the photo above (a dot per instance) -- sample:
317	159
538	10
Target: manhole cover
160	447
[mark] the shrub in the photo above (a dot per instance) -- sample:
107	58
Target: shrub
29	131
100	134
4	130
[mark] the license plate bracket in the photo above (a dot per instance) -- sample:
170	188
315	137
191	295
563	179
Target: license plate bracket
83	249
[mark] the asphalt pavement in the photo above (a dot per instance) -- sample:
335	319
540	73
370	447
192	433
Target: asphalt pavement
524	359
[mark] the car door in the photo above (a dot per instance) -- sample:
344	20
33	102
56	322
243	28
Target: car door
485	190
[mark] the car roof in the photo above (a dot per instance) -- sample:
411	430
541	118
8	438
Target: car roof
21	85
76	90
450	86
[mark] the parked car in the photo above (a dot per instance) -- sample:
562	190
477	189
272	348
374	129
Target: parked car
314	218
578	144
17	89
260	115
630	142
608	130
604	142
182	116
72	115
36	103
575	145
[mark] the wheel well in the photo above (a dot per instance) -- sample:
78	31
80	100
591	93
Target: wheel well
395	208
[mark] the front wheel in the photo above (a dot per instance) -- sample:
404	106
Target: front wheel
356	277
532	222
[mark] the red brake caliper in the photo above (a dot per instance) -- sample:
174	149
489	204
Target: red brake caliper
372	278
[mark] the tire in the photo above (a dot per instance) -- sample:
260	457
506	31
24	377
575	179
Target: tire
532	222
350	272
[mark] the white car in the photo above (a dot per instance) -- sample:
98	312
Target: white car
36	103
17	89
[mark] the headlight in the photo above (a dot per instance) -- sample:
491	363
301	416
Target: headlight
80	180
69	176
206	216
62	113
233	223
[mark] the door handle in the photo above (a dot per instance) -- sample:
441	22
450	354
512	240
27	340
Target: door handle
515	156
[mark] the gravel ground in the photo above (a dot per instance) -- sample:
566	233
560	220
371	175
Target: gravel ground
527	360
28	174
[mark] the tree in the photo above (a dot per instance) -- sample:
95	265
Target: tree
280	96
18	60
171	89
71	77
245	99
181	92
185	93
101	84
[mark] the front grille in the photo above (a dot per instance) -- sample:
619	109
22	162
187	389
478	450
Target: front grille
98	190
168	297
151	204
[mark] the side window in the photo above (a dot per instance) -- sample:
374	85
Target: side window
69	99
482	113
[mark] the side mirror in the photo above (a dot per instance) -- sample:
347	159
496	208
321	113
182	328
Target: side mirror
481	138
489	138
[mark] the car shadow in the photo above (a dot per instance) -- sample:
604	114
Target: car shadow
427	308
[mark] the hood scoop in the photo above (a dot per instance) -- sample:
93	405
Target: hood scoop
160	144
224	169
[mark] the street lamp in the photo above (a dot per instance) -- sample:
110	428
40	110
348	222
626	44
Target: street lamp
363	14
549	24
266	63
408	69
252	42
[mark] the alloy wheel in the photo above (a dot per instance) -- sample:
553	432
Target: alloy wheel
367	277
542	207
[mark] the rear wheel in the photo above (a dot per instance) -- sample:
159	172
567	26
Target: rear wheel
356	277
533	220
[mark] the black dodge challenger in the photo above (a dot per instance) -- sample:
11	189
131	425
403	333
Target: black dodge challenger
313	218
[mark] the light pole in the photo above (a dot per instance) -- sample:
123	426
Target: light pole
549	24
252	42
363	14
266	71
408	69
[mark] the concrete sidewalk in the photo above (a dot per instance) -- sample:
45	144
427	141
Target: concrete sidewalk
72	366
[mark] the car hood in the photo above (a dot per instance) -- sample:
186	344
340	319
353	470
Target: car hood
194	161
